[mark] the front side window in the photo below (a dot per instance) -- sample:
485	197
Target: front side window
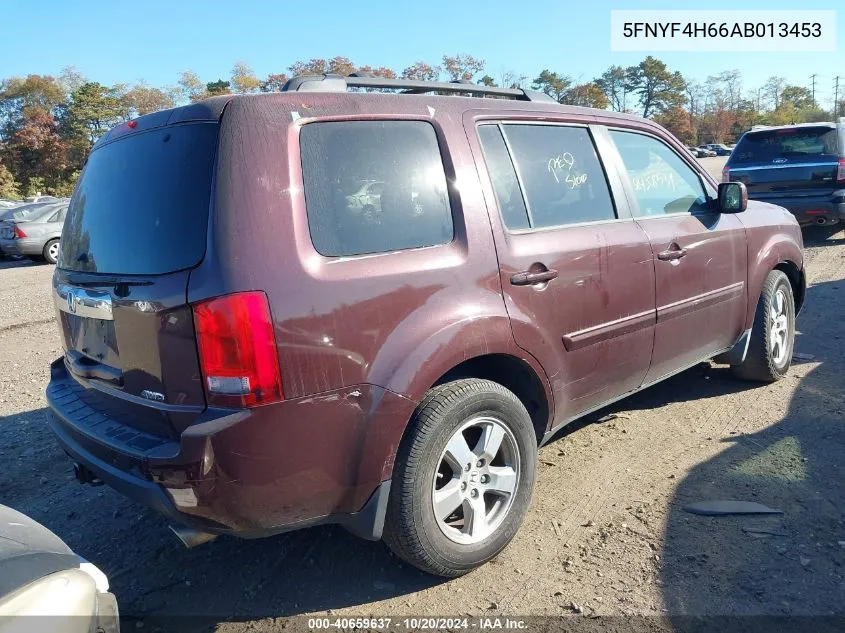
562	178
663	183
374	187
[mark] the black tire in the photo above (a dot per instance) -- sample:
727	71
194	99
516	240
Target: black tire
761	364
411	529
46	252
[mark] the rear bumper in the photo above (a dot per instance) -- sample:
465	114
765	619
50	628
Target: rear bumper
249	473
25	246
808	210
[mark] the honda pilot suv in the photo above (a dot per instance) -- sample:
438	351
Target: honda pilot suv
250	351
800	167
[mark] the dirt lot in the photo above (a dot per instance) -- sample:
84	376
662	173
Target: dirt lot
606	533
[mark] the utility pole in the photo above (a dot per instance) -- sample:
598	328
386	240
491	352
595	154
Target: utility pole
813	77
836	97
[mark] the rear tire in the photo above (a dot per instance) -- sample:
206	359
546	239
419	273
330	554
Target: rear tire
51	251
470	444
773	333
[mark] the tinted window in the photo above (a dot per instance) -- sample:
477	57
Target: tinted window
502	175
141	206
563	179
764	147
374	186
663	183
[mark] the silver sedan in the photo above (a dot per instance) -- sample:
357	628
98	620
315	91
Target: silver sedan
35	234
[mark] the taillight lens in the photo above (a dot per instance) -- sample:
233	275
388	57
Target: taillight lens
237	348
19	233
726	174
840	173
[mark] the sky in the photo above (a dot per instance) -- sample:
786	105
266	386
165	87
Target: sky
154	40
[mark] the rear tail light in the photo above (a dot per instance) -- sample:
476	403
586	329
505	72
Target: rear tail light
19	233
726	174
840	173
237	349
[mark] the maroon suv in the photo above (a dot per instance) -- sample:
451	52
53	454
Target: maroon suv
365	308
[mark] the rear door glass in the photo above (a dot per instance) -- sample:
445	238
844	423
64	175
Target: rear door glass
374	186
142	204
793	144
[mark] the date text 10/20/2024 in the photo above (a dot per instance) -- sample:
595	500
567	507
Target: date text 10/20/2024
418	624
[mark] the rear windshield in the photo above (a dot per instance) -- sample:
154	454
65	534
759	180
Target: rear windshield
764	147
141	206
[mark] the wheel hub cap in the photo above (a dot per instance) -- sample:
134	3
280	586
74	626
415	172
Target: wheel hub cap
778	327
476	480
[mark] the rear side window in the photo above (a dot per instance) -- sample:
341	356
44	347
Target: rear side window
374	186
142	204
563	180
790	143
502	175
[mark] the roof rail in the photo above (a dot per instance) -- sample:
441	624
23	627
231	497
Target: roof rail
337	83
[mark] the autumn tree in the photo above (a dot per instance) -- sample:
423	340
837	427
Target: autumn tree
677	121
380	71
8	184
35	152
488	81
462	67
189	86
244	79
71	79
553	84
421	72
335	66
20	98
658	89
772	88
142	99
588	95
274	82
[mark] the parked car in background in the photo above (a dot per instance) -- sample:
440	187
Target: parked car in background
34	232
9	204
40	198
708	153
719	148
45	586
698	152
799	167
249	362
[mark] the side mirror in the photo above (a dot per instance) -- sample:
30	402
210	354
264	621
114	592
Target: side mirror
733	197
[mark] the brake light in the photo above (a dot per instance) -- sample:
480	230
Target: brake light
726	174
19	233
237	349
840	173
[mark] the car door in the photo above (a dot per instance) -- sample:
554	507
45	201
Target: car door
699	255
575	268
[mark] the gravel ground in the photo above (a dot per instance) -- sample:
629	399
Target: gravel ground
605	534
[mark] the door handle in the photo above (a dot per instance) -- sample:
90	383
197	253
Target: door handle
671	254
528	278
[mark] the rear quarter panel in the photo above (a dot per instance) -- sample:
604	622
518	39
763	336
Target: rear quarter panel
398	320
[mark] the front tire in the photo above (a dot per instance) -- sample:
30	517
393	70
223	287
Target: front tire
773	333
463	478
